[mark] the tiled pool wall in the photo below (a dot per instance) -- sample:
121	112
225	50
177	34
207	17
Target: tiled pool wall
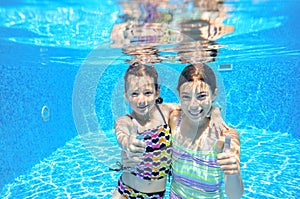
26	86
261	94
264	94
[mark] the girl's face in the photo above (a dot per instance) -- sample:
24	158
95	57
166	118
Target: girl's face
196	100
141	94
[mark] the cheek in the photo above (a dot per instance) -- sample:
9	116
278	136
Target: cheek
184	105
207	106
207	102
151	98
132	103
132	100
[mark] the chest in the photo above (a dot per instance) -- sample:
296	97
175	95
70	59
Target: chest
205	141
157	138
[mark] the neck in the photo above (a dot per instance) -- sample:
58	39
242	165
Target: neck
142	119
197	127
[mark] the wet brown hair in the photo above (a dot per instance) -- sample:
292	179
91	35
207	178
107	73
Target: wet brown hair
198	72
141	70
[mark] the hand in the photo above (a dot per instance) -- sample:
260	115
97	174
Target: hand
217	121
135	147
227	160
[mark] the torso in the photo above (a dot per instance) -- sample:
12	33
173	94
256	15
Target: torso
194	168
155	164
156	159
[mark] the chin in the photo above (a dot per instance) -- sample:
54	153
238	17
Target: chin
142	112
197	118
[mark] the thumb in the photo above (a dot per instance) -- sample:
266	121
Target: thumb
219	145
134	127
227	144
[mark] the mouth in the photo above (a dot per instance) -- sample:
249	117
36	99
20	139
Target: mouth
142	107
196	113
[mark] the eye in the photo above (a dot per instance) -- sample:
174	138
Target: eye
148	93
201	96
186	97
134	94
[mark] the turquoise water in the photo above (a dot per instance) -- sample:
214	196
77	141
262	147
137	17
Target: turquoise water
270	161
60	55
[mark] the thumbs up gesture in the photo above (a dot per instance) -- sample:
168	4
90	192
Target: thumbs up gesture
228	161
136	145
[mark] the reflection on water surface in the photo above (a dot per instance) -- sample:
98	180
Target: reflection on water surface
184	32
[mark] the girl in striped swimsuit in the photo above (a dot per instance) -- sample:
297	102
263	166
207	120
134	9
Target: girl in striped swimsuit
200	160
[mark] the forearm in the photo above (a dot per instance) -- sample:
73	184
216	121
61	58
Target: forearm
230	163
123	140
234	186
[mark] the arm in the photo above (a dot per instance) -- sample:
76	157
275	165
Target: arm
126	132
229	161
173	120
217	121
122	132
172	107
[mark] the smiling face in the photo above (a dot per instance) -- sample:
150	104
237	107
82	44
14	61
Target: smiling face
141	93
196	99
197	90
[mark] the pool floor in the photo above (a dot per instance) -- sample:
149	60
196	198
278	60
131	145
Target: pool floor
72	172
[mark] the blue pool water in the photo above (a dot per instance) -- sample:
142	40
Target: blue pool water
59	55
71	172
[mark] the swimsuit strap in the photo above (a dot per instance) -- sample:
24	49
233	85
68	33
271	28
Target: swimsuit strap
162	115
179	120
129	116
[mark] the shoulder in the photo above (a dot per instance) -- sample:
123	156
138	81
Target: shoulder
123	124
167	108
174	117
170	106
123	120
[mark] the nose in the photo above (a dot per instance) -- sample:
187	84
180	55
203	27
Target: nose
194	105
194	101
141	100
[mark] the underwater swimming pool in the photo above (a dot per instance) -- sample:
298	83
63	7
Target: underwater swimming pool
61	86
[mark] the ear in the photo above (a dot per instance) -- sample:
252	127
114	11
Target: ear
214	94
157	93
125	96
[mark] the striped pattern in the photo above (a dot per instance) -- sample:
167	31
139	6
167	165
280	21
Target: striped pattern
195	174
